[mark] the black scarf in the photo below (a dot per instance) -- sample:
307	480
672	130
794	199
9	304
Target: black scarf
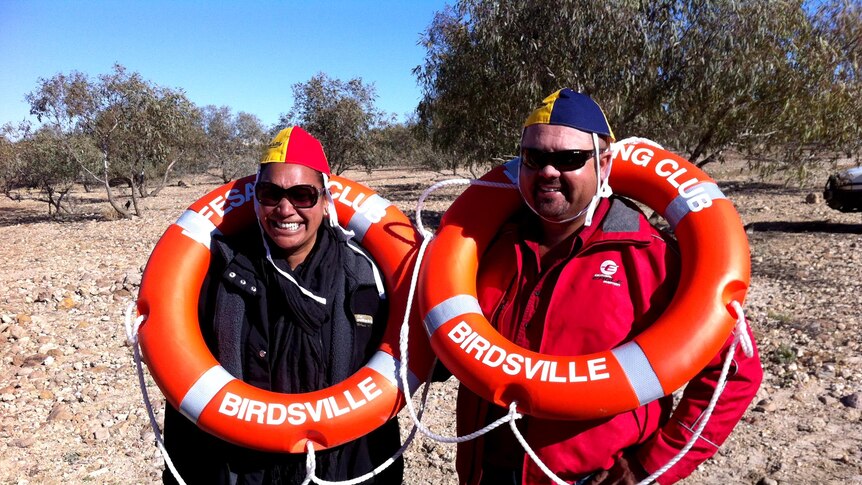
304	350
314	341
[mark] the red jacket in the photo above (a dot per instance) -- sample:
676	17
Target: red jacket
595	292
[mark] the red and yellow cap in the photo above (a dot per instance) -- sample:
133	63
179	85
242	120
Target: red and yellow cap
295	145
573	109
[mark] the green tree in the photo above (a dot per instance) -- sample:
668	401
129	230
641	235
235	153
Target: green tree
140	129
395	144
234	142
45	161
340	114
8	158
701	76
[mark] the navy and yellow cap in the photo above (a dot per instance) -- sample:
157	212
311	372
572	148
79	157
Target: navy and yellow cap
573	109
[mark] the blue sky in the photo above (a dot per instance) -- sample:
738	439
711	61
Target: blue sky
243	55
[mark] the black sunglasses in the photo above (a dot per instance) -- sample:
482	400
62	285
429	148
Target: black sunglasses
563	161
300	196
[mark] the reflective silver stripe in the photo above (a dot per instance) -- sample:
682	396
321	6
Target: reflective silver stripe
197	227
678	207
203	391
511	169
449	309
639	372
389	367
360	222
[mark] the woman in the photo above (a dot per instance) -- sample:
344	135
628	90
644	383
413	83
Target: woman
292	307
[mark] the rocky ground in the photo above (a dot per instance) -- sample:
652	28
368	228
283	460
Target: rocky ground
70	407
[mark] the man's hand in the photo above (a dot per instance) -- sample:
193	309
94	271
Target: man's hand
626	470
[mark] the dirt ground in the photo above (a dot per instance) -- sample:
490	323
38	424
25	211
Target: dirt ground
71	410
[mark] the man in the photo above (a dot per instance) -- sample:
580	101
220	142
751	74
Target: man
536	283
278	310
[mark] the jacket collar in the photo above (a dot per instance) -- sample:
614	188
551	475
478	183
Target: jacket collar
621	221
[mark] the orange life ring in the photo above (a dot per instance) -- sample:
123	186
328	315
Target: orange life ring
691	331
194	382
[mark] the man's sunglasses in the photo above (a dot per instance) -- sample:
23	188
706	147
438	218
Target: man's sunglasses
563	161
299	196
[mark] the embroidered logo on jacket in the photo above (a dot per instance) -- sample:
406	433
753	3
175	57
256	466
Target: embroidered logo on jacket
607	270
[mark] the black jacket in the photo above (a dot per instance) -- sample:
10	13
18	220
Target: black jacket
249	326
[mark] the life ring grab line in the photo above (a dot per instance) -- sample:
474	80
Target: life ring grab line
634	360
195	228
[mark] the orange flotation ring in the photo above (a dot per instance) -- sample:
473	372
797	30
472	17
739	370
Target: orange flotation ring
194	382
715	272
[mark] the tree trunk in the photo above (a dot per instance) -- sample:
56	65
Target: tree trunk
54	198
706	139
709	159
111	199
135	190
49	199
60	199
701	146
85	183
141	181
164	181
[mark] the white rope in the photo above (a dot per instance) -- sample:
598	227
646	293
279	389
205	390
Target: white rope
404	337
132	330
310	465
283	273
132	327
444	183
740	336
533	456
510	417
631	141
741	330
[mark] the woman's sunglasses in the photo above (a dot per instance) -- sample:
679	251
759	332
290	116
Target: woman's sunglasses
299	196
563	161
